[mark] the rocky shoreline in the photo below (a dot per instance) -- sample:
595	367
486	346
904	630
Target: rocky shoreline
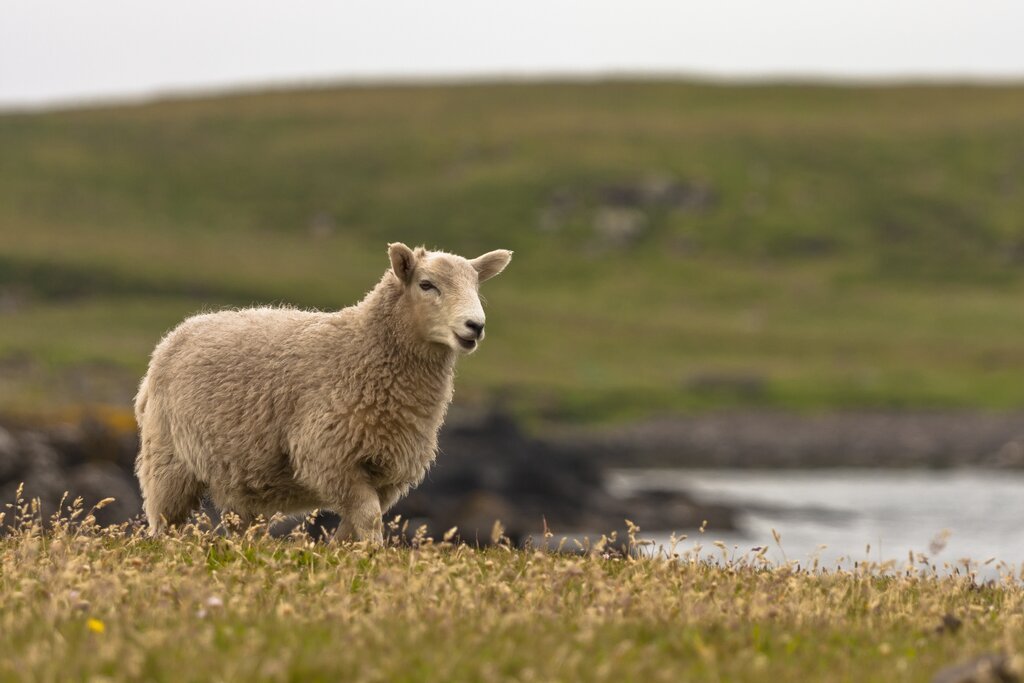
891	439
490	469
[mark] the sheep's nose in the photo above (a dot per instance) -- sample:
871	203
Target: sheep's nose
478	328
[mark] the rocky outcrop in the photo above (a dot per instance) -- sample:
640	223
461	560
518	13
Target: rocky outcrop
488	470
989	668
87	460
933	439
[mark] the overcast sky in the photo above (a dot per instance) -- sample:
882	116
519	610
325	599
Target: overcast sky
55	52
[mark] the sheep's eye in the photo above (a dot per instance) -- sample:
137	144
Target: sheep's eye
427	285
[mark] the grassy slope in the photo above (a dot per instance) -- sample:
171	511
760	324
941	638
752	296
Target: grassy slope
117	606
865	246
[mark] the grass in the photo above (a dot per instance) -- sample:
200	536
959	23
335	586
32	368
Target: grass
87	604
840	247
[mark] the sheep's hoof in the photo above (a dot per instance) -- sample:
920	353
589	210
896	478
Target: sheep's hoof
373	538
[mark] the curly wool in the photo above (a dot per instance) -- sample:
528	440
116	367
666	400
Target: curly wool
283	410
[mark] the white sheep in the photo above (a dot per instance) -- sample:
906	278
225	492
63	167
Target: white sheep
282	410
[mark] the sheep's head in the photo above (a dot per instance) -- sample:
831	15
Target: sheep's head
442	292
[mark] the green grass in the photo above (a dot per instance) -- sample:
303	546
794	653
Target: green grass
863	247
83	604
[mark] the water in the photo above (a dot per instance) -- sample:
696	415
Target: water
978	513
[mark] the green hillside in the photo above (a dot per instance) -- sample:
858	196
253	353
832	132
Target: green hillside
678	246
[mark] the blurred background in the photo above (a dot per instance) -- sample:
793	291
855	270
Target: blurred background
769	256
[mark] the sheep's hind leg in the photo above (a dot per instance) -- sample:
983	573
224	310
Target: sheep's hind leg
169	490
360	514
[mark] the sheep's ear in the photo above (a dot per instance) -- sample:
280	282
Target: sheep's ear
491	263
403	261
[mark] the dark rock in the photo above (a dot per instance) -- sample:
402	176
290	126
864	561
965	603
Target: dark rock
10	458
90	441
990	668
490	470
322	525
63	462
1010	455
95	482
659	191
619	227
622	212
950	624
783	440
558	211
676	511
42	474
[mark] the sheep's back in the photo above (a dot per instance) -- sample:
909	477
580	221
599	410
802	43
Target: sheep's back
226	383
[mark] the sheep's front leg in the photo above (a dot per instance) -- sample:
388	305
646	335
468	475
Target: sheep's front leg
360	513
389	495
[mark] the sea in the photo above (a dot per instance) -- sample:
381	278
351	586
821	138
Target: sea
934	520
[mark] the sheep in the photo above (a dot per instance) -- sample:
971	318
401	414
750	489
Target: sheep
277	409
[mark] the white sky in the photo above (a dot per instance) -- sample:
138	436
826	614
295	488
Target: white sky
55	51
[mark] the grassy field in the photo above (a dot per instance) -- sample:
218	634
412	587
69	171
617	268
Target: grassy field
678	246
80	604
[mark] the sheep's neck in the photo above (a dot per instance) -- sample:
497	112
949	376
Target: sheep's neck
391	336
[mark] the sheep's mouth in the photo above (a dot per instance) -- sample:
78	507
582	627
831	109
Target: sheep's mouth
468	344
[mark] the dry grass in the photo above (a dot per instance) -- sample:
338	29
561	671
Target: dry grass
81	603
